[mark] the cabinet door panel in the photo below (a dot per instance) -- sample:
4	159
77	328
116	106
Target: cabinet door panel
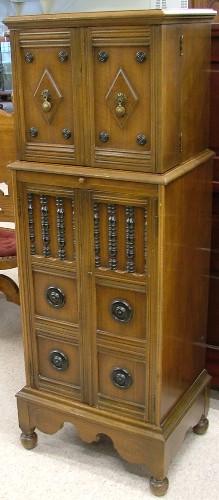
51	223
58	361
121	378
120	236
56	297
47	66
121	312
122	99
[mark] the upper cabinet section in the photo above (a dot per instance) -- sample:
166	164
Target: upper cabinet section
123	94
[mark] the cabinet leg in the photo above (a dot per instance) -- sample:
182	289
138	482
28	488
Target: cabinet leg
202	426
159	487
29	441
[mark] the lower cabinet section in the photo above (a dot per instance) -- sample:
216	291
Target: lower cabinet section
113	291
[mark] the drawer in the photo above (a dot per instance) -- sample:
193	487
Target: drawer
58	361
121	312
121	378
55	297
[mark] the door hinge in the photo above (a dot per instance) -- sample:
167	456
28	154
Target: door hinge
156	220
181	38
30	369
180	142
19	205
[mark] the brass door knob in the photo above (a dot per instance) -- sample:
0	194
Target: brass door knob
46	104
120	99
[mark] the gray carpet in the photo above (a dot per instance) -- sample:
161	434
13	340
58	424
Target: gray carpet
64	467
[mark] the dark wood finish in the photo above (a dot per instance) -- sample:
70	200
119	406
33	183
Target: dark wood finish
115	238
212	353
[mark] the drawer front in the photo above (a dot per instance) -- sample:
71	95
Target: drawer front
121	312
56	296
58	365
122	99
46	97
121	382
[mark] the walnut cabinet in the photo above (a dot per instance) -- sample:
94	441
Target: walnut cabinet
113	197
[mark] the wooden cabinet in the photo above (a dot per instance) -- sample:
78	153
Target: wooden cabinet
113	201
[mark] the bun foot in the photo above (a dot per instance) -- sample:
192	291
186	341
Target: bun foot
28	441
202	426
159	487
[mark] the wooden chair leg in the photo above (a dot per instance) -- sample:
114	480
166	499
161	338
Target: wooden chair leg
10	289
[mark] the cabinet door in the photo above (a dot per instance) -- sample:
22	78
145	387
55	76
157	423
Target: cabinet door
119	69
46	79
49	285
123	290
134	76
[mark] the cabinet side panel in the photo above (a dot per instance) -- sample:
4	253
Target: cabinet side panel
195	85
185	281
167	64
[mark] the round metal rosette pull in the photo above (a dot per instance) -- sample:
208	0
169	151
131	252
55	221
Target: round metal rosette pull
66	133
58	360
121	378
63	56
29	57
141	140
33	132
104	136
140	57
102	56
121	310
55	297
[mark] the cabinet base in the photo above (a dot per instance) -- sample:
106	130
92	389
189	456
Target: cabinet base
137	442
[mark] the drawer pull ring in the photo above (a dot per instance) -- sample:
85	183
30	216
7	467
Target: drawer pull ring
141	140
58	360
121	378
46	104
63	56
66	133
33	132
104	136
29	57
120	99
121	310
55	297
103	56
140	57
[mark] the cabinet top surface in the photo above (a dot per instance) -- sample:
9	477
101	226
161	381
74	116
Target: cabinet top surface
104	18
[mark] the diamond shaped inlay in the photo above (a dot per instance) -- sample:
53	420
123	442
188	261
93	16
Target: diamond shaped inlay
47	86
121	98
